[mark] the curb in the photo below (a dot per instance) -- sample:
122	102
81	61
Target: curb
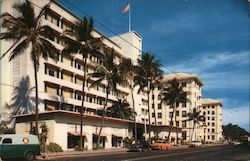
90	153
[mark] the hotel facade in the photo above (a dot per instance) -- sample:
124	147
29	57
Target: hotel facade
60	89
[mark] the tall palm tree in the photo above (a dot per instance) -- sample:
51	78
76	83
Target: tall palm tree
25	30
108	73
121	109
196	117
148	73
127	72
85	44
171	95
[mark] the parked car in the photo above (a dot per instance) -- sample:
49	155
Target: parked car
162	145
236	143
142	146
195	144
19	146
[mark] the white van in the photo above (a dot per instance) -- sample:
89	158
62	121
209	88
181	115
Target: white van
19	146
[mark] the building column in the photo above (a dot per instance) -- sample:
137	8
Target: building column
88	142
108	143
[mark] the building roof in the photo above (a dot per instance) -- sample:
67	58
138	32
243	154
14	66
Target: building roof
42	116
182	76
209	101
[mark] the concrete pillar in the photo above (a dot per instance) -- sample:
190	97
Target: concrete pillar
88	142
108	142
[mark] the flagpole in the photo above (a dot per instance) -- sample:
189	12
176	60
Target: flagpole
129	17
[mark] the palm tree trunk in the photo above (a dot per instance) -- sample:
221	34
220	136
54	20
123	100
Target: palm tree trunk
149	128
133	104
36	86
192	132
171	122
103	115
156	130
83	99
176	130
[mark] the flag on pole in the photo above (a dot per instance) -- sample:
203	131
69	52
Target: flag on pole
126	8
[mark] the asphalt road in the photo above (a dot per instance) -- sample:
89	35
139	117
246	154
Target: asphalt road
218	153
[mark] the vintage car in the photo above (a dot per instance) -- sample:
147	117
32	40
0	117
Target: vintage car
19	146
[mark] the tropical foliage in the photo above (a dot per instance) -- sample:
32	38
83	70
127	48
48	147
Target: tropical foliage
196	117
127	73
121	109
25	30
148	74
233	132
80	41
172	95
107	72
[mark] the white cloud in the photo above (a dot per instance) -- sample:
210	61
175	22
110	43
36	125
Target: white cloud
207	66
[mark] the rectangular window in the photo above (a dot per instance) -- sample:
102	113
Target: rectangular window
153	96
213	138
51	90
153	114
51	73
212	123
153	105
177	113
159	106
212	118
67	93
170	114
183	113
177	123
159	97
184	124
212	130
159	115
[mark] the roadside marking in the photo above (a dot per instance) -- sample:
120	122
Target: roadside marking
164	155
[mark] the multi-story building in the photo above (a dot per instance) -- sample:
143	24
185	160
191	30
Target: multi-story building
212	110
60	86
191	84
60	89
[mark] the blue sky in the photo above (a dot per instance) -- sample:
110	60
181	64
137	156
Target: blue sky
206	37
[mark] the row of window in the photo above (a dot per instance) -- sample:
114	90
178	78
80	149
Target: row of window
69	93
208	112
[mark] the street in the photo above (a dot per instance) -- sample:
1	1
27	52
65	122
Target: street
214	153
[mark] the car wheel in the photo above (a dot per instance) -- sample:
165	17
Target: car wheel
29	156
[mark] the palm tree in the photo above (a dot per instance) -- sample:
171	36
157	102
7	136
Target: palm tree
107	72
82	43
148	73
195	116
127	72
171	95
25	30
121	109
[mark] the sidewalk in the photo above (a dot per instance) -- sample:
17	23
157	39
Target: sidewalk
102	151
79	153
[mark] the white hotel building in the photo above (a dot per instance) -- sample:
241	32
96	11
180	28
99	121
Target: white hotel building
60	89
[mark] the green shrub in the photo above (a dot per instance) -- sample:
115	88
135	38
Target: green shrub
53	147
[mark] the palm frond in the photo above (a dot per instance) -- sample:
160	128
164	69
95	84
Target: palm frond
19	49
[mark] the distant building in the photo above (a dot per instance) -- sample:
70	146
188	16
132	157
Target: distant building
212	110
191	84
